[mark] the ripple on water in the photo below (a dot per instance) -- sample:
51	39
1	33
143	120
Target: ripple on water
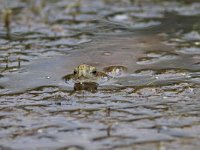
74	114
156	56
191	36
144	72
188	10
167	74
190	50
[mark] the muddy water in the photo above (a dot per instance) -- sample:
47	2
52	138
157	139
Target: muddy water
155	105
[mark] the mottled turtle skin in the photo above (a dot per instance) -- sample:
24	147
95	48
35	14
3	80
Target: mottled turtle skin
88	73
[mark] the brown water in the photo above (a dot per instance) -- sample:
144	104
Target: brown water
155	105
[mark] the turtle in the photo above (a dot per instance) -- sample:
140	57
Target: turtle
87	77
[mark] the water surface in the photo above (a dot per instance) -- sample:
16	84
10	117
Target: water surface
154	106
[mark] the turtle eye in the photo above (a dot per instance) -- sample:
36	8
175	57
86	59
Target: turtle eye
94	72
75	72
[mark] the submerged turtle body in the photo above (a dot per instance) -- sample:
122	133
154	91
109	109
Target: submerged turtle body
89	74
86	77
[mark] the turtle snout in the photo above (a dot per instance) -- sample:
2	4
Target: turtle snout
82	73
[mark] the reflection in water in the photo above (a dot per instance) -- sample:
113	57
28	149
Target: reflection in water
88	86
149	48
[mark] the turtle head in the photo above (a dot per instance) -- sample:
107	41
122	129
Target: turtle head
85	71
